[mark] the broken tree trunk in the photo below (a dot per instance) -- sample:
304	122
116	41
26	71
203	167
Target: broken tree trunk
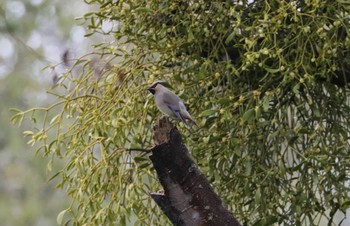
188	199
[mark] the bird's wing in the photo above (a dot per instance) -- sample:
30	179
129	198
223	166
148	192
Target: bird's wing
170	97
174	104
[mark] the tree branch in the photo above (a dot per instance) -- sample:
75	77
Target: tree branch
188	198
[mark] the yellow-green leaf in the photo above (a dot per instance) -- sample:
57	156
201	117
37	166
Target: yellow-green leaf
60	216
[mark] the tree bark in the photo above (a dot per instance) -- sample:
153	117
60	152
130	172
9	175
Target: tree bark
188	199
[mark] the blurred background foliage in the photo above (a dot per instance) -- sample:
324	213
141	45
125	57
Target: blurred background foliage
33	33
266	80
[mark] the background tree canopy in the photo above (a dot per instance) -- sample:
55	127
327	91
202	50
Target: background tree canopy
266	80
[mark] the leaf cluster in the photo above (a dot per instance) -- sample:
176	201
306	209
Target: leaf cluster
267	81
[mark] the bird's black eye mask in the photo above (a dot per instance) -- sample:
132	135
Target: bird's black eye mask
152	88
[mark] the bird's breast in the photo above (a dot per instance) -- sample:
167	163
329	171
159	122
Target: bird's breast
163	107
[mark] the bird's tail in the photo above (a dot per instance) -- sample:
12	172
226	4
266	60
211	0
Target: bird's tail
181	117
185	115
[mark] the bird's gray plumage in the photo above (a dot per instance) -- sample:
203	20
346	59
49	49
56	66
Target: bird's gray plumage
169	103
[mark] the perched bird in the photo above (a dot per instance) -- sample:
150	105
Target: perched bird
169	103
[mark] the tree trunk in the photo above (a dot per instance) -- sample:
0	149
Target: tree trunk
188	199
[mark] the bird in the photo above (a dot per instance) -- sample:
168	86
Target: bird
169	103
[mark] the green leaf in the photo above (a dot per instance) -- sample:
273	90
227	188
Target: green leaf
272	70
345	205
67	222
224	101
257	112
258	196
54	119
15	110
17	117
248	168
143	10
54	176
49	166
60	216
296	88
229	38
249	115
144	165
202	74
266	103
88	14
89	34
28	133
190	37
208	112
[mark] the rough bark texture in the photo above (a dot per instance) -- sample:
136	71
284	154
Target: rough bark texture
188	199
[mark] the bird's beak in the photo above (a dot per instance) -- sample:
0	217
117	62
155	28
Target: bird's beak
151	90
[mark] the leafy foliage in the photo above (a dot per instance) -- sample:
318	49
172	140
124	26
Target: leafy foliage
267	80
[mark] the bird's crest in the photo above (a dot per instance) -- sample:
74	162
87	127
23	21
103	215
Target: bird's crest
163	83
